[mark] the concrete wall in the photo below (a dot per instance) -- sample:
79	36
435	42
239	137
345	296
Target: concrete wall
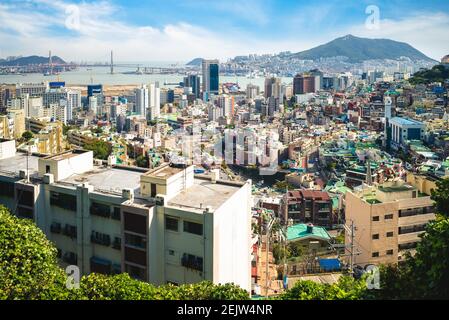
232	240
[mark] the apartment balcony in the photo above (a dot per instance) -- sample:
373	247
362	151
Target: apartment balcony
192	262
101	239
70	231
117	243
409	237
416	219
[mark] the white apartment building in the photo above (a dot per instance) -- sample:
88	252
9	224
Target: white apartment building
142	102
154	108
165	225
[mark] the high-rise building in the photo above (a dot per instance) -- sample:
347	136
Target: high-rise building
193	81
211	80
32	89
154	95
272	88
142	100
303	83
252	91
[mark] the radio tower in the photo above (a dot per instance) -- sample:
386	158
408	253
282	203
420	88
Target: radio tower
112	63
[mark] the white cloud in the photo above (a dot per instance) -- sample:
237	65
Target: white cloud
427	32
29	32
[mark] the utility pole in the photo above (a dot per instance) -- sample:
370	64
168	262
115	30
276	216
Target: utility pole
267	248
351	266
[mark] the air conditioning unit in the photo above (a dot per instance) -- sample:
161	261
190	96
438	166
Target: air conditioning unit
159	201
23	174
128	194
48	178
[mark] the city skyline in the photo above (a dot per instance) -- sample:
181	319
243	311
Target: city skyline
183	31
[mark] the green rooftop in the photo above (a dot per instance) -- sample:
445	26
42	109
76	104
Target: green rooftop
299	231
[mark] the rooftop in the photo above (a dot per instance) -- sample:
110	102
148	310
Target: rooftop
108	179
405	121
164	172
204	194
19	162
299	231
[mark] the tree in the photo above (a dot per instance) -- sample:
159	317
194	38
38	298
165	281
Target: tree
27	135
28	264
441	197
101	149
29	270
347	288
142	161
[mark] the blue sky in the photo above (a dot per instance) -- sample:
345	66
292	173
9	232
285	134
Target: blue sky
180	30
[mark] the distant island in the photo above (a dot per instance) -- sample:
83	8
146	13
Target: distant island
30	60
195	62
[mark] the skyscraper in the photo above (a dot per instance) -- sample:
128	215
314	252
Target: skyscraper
303	83
210	77
272	87
193	81
154	95
142	102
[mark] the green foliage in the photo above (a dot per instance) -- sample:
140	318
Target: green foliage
283	185
65	129
280	252
97	130
347	288
101	149
29	270
437	74
441	197
27	135
28	265
142	161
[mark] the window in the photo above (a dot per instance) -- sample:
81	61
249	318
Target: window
389	234
388	216
135	241
376	218
116	213
171	252
153	190
62	200
100	209
192	227
136	272
7	189
375	254
47	169
25	198
171	224
192	262
390	252
375	236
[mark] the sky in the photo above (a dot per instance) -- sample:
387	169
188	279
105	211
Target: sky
180	30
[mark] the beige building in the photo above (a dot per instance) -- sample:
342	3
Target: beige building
48	136
388	220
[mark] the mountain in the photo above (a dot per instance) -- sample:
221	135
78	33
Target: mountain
24	61
361	49
195	62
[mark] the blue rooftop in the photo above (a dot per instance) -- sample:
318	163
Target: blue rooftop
405	121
